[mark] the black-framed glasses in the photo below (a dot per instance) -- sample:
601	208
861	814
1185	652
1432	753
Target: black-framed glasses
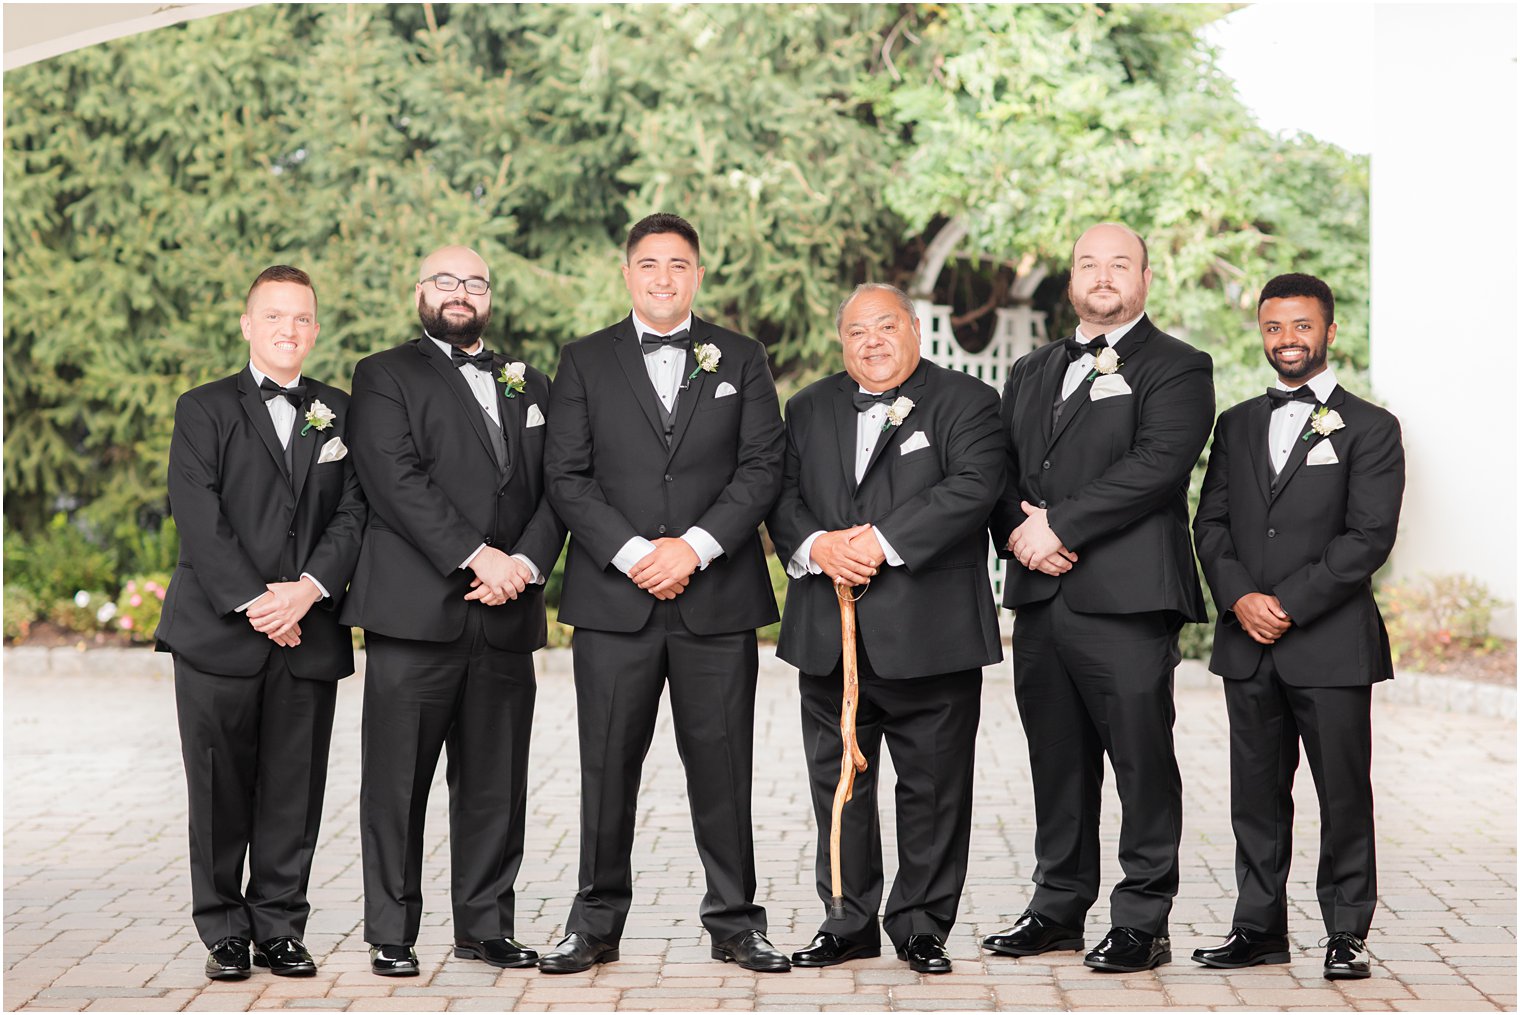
448	283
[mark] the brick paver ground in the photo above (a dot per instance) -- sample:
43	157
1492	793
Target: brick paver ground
97	888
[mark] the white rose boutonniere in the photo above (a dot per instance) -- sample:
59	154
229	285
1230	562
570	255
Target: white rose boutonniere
514	376
708	356
898	411
1324	422
318	417
1105	362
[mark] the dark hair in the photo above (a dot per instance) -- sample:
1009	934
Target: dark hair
1296	284
662	222
281	273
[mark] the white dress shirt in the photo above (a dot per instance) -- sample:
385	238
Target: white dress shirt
1083	364
665	367
1289	419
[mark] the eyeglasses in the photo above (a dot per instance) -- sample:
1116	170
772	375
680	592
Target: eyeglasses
448	283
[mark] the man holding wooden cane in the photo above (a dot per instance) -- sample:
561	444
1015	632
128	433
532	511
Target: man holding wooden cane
891	469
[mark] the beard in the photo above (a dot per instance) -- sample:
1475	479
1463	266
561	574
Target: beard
1116	312
1312	362
460	332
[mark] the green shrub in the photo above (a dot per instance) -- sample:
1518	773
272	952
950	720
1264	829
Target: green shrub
85	612
22	609
136	611
59	562
1431	618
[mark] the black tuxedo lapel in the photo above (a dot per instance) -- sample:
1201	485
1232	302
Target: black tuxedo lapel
512	413
1258	422
911	388
1074	405
846	421
1301	447
625	343
1132	341
446	369
1050	393
258	415
689	393
303	449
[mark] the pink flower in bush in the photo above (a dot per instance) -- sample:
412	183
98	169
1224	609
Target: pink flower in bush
132	585
159	592
136	600
126	623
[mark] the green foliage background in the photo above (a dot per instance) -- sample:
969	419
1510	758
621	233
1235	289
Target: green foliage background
149	179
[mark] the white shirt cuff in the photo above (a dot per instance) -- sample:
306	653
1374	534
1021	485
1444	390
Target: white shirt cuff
538	579
261	595
886	548
703	545
801	563
633	551
320	587
473	554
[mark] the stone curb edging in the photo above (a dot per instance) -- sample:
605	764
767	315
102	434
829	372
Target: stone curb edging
1441	694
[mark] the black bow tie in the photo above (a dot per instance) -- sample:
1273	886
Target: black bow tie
1076	350
479	360
296	393
654	343
1281	398
863	400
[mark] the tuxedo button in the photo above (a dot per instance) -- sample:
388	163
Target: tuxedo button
1271	533
669	478
662	530
1045	464
1042	503
488	540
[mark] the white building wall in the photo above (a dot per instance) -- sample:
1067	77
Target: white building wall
1444	282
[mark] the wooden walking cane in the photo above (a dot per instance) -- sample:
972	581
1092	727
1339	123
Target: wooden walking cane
851	760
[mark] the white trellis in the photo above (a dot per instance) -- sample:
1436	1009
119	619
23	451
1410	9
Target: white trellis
1019	329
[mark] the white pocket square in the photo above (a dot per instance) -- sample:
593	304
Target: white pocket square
535	416
915	441
1107	386
332	451
1322	453
724	390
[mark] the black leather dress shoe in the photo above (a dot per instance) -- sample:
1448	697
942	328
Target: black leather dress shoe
925	953
228	959
1127	950
1346	958
1032	935
576	954
1245	948
284	956
831	949
501	952
753	952
393	960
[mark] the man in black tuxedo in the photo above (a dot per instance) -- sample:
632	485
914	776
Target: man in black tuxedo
269	515
1299	507
891	469
449	443
664	455
1103	430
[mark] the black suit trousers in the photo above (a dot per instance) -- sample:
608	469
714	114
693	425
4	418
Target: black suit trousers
420	696
255	751
1267	720
929	724
1086	684
618	681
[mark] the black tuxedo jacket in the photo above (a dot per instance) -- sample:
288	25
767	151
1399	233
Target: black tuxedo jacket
424	455
612	477
244	524
933	613
1313	542
1113	475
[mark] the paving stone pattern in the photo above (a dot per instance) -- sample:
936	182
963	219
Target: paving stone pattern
97	914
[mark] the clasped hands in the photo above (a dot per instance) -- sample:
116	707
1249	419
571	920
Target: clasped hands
1262	617
498	577
278	612
665	571
1035	545
849	556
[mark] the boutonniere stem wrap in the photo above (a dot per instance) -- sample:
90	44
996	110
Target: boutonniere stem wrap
318	417
1105	362
708	356
897	412
1324	422
514	377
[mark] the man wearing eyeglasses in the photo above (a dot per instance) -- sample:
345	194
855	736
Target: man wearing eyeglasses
449	438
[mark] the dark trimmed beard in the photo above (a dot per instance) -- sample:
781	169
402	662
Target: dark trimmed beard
1088	311
462	333
1312	363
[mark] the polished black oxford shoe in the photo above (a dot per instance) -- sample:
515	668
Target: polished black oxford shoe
753	952
831	949
284	956
501	952
1032	935
228	959
1346	958
576	954
1244	947
1127	950
393	960
925	953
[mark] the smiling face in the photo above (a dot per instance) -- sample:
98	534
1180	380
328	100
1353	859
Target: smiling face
880	338
1295	337
662	276
280	326
1109	278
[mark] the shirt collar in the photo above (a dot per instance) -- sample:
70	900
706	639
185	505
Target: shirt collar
259	377
448	350
644	329
1112	335
1321	384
